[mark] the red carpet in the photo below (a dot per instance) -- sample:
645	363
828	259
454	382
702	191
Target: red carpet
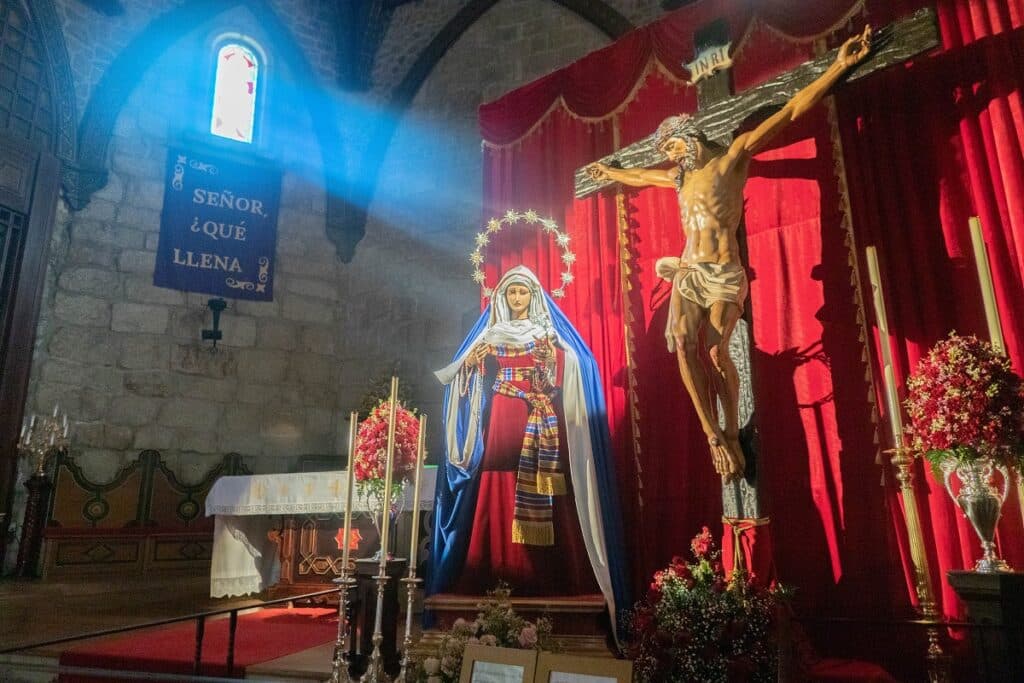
259	637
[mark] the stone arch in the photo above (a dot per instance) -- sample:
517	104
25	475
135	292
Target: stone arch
596	12
602	15
124	73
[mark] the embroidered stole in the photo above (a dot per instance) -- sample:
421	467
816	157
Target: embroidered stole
540	477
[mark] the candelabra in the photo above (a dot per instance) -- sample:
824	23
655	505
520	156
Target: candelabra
411	583
375	670
340	663
40	439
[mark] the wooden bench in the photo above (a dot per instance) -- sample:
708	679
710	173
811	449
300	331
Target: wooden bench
144	522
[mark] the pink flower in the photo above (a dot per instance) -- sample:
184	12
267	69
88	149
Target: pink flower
701	543
528	636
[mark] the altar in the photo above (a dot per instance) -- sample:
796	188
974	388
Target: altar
260	519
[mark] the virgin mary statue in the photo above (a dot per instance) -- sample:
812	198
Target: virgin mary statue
527	492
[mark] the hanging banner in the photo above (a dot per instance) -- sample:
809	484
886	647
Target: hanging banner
218	228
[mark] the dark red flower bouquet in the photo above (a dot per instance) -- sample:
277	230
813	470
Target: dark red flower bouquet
965	402
372	447
696	625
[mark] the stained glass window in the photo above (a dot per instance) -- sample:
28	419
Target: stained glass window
234	93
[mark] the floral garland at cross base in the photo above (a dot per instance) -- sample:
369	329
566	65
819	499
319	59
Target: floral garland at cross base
696	625
965	402
497	625
372	448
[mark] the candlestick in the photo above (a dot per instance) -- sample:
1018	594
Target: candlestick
56	409
888	374
353	419
988	294
420	448
388	472
32	421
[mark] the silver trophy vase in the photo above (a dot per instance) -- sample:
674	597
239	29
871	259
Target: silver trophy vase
981	502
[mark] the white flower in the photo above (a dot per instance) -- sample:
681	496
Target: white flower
567	277
558	293
568	258
489	640
562	239
476	258
478	277
511	216
482	240
493	225
530	216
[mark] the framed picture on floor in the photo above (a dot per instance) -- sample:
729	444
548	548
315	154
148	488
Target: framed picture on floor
484	664
552	668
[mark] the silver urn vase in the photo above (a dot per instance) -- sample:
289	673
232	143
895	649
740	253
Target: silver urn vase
981	501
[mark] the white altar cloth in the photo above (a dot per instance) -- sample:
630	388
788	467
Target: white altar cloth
244	559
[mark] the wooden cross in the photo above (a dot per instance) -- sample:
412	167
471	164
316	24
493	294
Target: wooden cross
718	118
719	115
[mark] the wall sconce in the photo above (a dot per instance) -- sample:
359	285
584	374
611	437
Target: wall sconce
214	335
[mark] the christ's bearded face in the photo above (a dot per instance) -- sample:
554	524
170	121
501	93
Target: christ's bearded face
682	151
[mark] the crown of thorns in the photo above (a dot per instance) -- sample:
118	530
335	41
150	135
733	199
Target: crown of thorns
681	126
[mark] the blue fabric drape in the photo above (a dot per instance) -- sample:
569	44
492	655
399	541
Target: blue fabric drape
455	498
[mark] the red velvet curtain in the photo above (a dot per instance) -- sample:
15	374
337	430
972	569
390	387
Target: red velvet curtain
915	171
927	147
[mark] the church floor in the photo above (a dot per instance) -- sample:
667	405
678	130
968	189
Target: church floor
34	611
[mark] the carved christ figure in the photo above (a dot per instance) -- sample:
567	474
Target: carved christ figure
709	282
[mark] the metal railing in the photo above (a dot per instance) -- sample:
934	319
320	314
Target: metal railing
200	619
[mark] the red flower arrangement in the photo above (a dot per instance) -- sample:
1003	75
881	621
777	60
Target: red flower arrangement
372	447
965	402
696	625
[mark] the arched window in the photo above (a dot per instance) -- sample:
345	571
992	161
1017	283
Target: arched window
234	93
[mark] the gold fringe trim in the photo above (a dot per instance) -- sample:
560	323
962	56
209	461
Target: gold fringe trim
551	483
628	321
757	22
655	64
533	533
846	224
559	103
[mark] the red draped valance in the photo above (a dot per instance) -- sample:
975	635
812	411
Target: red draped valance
604	81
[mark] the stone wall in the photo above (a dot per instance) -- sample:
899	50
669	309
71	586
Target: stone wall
124	358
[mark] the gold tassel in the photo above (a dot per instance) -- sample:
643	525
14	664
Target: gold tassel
533	533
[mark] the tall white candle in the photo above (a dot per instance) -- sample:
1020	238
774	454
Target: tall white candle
389	467
892	400
415	530
350	485
988	292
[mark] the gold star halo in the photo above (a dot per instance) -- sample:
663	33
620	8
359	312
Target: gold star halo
530	217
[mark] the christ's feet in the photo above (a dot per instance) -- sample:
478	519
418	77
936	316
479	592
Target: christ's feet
727	456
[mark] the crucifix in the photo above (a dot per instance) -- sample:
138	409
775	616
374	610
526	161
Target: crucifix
709	284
